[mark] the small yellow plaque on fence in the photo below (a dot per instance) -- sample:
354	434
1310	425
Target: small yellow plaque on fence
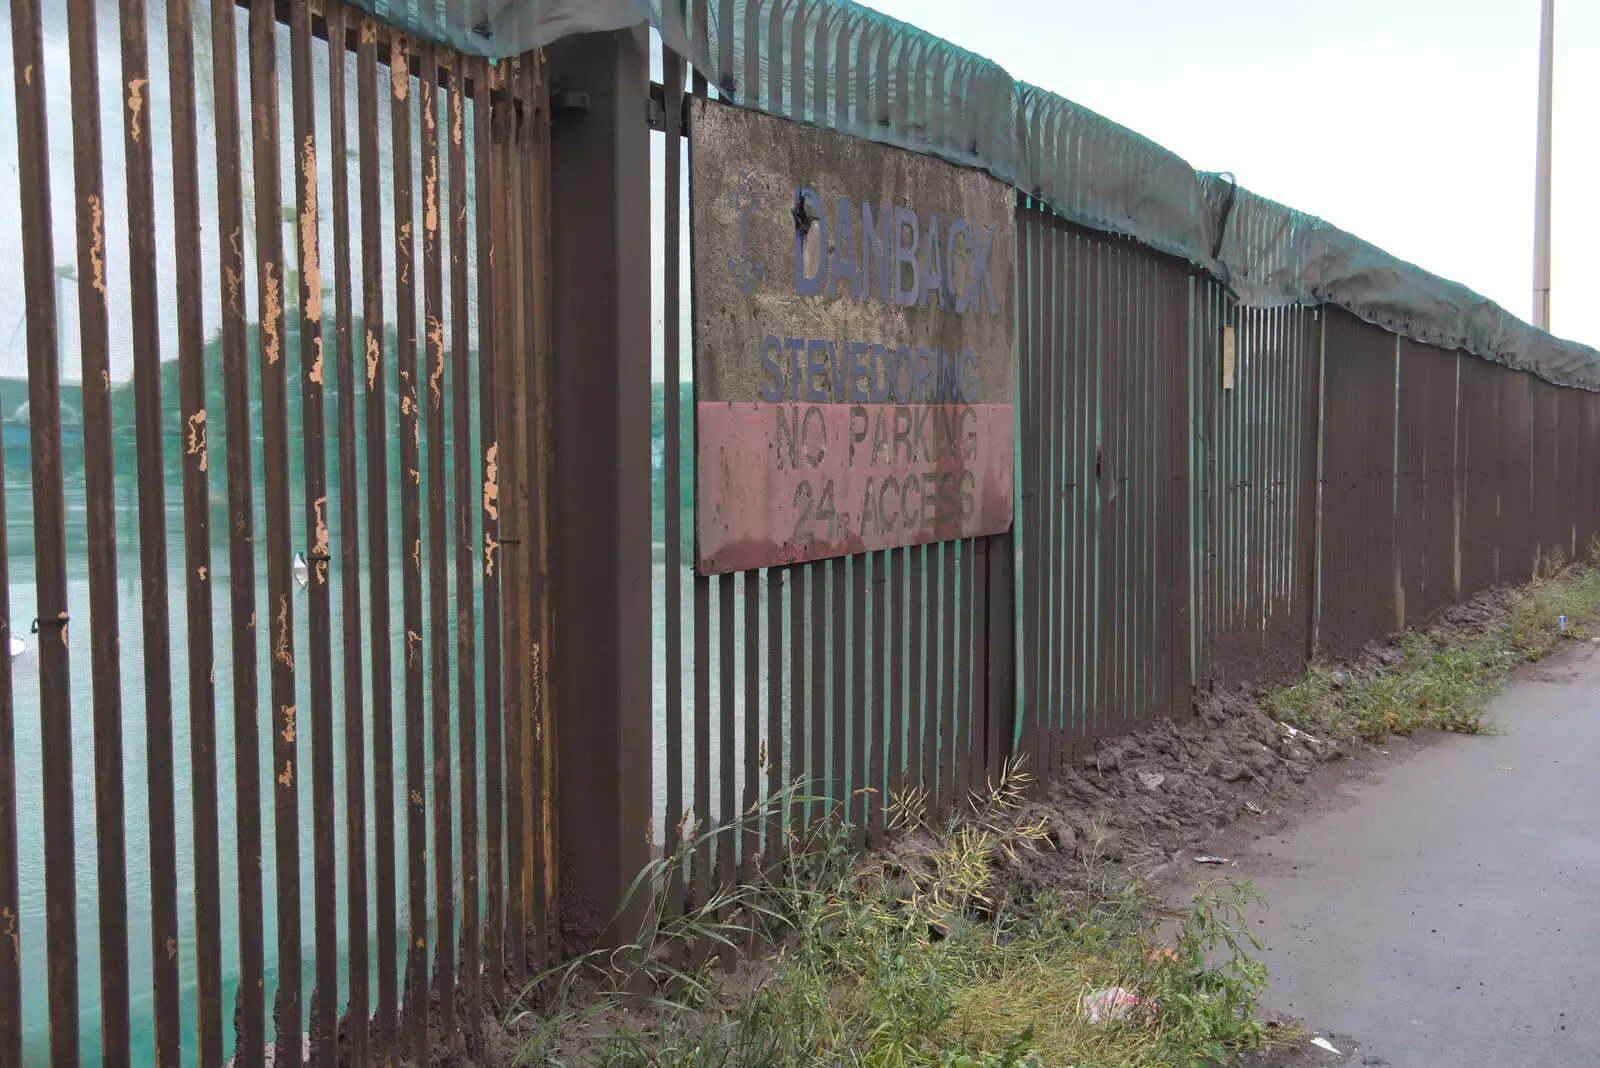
1227	357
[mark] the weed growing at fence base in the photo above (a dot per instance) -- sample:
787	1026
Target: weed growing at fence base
916	956
1442	685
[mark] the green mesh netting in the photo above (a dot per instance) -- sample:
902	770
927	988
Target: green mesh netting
835	64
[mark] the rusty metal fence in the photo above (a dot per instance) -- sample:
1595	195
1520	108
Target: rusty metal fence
250	373
1208	494
1213	494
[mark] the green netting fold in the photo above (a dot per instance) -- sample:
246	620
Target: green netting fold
835	64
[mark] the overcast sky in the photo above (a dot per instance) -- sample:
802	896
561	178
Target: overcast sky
1408	122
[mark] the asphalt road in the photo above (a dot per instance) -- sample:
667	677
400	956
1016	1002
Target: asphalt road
1447	912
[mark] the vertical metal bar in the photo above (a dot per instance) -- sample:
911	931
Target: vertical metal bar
838	769
798	766
274	426
516	534
1125	463
879	721
287	1011
967	692
1098	613
355	753
774	740
703	823
860	800
1000	635
55	709
817	653
819	70
1027	489
466	542
928	707
105	655
1058	275
10	903
727	753
896	698
137	138
917	731
725	31
1047	498
1066	486
538	291
377	392
490	341
415	994
947	685
672	462
438	592
750	36
325	992
800	719
197	538
249	1025
972	752
777	59
751	845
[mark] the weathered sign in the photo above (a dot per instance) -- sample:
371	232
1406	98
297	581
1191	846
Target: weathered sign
852	344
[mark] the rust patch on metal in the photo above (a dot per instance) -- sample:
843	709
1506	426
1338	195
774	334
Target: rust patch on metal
430	199
281	648
536	677
399	73
436	343
271	313
315	374
9	921
197	437
372	360
489	546
413	642
97	245
286	780
319	536
172	949
235	281
136	106
416	799
491	480
404	256
203	572
369	32
455	117
310	267
288	731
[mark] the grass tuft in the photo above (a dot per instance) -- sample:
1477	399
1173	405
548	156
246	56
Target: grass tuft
1442	686
918	957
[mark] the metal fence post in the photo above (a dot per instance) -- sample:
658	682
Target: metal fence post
600	514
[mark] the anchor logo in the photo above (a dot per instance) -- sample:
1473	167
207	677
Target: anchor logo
746	270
